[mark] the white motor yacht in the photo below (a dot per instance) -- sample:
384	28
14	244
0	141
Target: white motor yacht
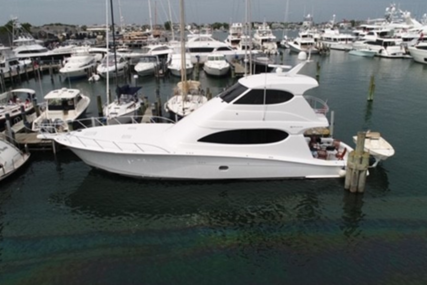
147	65
162	51
9	61
253	130
108	64
79	64
12	102
216	65
304	43
11	159
265	40
124	107
419	52
333	39
175	64
62	106
234	35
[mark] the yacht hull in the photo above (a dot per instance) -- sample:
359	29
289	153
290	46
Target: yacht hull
200	167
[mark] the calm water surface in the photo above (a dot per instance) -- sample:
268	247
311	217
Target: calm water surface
62	222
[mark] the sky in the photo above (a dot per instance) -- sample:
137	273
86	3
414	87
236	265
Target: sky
88	12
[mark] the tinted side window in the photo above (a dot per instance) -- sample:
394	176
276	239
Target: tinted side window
256	97
249	136
233	92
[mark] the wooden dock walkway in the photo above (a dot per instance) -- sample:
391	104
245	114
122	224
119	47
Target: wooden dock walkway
239	69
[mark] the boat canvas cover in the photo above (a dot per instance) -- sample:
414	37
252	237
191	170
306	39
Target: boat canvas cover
127	90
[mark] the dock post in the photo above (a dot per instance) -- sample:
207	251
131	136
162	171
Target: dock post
51	72
99	104
371	88
2	82
26	72
11	75
317	71
10	135
24	118
159	103
233	72
332	123
92	119
208	93
35	106
357	166
18	74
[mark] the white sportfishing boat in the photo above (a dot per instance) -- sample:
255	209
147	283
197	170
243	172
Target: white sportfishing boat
377	146
62	106
124	107
216	65
177	66
79	64
109	64
11	159
265	40
253	130
147	65
11	103
419	52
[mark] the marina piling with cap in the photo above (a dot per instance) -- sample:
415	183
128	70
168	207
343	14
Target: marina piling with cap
357	166
371	88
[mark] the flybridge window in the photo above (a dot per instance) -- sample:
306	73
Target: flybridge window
247	136
233	92
257	97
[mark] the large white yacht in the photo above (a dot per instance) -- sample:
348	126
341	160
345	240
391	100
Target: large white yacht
9	61
264	39
234	36
253	130
305	42
79	64
110	63
419	52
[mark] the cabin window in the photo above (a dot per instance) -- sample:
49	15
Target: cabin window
258	96
223	49
246	136
201	49
233	92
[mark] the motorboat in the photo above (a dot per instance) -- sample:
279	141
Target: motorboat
9	62
129	54
265	40
335	40
377	146
162	51
108	65
11	159
216	65
175	64
419	52
253	130
78	65
305	42
126	105
187	97
384	47
14	103
234	35
62	106
365	52
147	65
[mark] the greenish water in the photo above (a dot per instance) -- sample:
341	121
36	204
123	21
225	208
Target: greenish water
62	222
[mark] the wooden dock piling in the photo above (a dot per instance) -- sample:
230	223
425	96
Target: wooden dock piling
357	166
99	104
371	88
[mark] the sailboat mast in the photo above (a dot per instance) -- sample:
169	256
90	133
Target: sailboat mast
183	67
170	17
107	39
151	18
114	40
122	20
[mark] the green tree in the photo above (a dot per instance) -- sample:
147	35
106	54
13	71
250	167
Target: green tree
167	25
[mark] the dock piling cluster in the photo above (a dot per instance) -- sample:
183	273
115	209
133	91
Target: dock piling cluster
357	166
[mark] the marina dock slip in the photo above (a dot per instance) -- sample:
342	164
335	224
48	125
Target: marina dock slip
62	221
